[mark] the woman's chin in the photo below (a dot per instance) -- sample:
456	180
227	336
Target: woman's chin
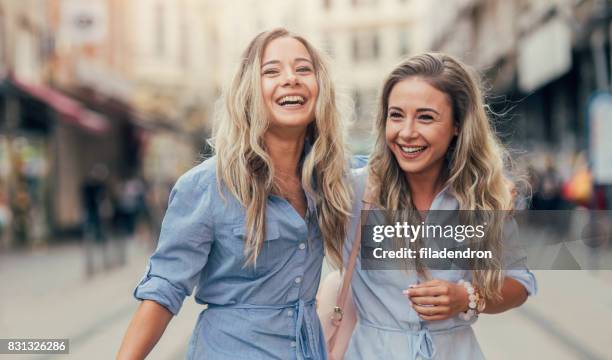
420	166
290	123
412	169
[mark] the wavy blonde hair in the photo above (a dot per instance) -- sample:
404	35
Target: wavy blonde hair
475	161
244	166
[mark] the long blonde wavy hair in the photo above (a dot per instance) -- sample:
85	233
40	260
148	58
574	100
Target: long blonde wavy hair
244	166
475	161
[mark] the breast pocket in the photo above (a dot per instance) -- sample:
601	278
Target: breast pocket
273	253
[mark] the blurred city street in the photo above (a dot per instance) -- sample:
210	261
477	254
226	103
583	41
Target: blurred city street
105	103
50	297
565	320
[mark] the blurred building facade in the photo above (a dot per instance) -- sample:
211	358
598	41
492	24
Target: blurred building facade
232	24
150	58
103	82
365	39
543	61
133	84
24	122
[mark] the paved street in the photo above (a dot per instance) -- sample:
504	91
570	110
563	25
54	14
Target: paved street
50	297
568	319
46	295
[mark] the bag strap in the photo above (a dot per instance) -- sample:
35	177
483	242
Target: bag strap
348	275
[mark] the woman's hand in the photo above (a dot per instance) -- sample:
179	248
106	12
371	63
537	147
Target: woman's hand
438	299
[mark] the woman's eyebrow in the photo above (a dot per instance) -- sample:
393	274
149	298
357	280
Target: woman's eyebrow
278	61
302	59
395	108
270	62
427	109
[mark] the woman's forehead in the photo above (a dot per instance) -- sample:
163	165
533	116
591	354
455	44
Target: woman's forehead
417	92
285	48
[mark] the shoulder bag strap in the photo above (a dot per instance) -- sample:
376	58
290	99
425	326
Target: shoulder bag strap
348	275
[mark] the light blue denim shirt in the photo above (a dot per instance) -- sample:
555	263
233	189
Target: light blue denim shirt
262	312
388	327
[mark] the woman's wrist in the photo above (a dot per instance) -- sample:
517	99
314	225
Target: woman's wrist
473	298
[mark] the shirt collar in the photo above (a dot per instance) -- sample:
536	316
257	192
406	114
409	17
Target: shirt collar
444	200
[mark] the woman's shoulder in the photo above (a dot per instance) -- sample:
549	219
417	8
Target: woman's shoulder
358	170
358	179
201	176
359	176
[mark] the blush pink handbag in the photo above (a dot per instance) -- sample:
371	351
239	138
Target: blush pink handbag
335	304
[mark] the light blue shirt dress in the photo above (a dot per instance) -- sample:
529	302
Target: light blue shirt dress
262	312
387	327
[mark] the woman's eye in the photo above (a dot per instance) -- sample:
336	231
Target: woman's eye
304	69
426	117
395	115
270	72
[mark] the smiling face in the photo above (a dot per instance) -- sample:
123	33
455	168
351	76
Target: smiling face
419	127
288	84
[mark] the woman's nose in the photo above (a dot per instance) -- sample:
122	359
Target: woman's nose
408	129
291	78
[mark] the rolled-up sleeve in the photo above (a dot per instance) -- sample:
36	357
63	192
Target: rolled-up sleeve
515	258
184	244
526	278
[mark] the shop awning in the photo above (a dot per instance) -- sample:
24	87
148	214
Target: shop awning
69	110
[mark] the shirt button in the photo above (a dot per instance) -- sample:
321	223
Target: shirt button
293	344
298	280
289	312
302	246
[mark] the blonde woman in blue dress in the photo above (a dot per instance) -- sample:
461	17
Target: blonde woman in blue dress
435	150
247	228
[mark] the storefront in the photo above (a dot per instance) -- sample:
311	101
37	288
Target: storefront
37	123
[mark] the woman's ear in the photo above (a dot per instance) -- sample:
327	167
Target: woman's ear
456	127
512	187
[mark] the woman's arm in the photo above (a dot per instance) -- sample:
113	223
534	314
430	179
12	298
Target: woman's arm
439	299
145	329
513	294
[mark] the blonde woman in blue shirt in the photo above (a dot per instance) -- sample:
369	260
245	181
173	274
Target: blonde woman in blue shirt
435	150
248	228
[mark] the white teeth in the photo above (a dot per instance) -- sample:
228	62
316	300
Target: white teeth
412	149
291	99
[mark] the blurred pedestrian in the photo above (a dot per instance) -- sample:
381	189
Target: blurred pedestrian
249	226
129	209
20	208
157	201
130	204
5	216
547	188
97	207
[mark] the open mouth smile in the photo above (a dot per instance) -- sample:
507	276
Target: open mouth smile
412	150
291	101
